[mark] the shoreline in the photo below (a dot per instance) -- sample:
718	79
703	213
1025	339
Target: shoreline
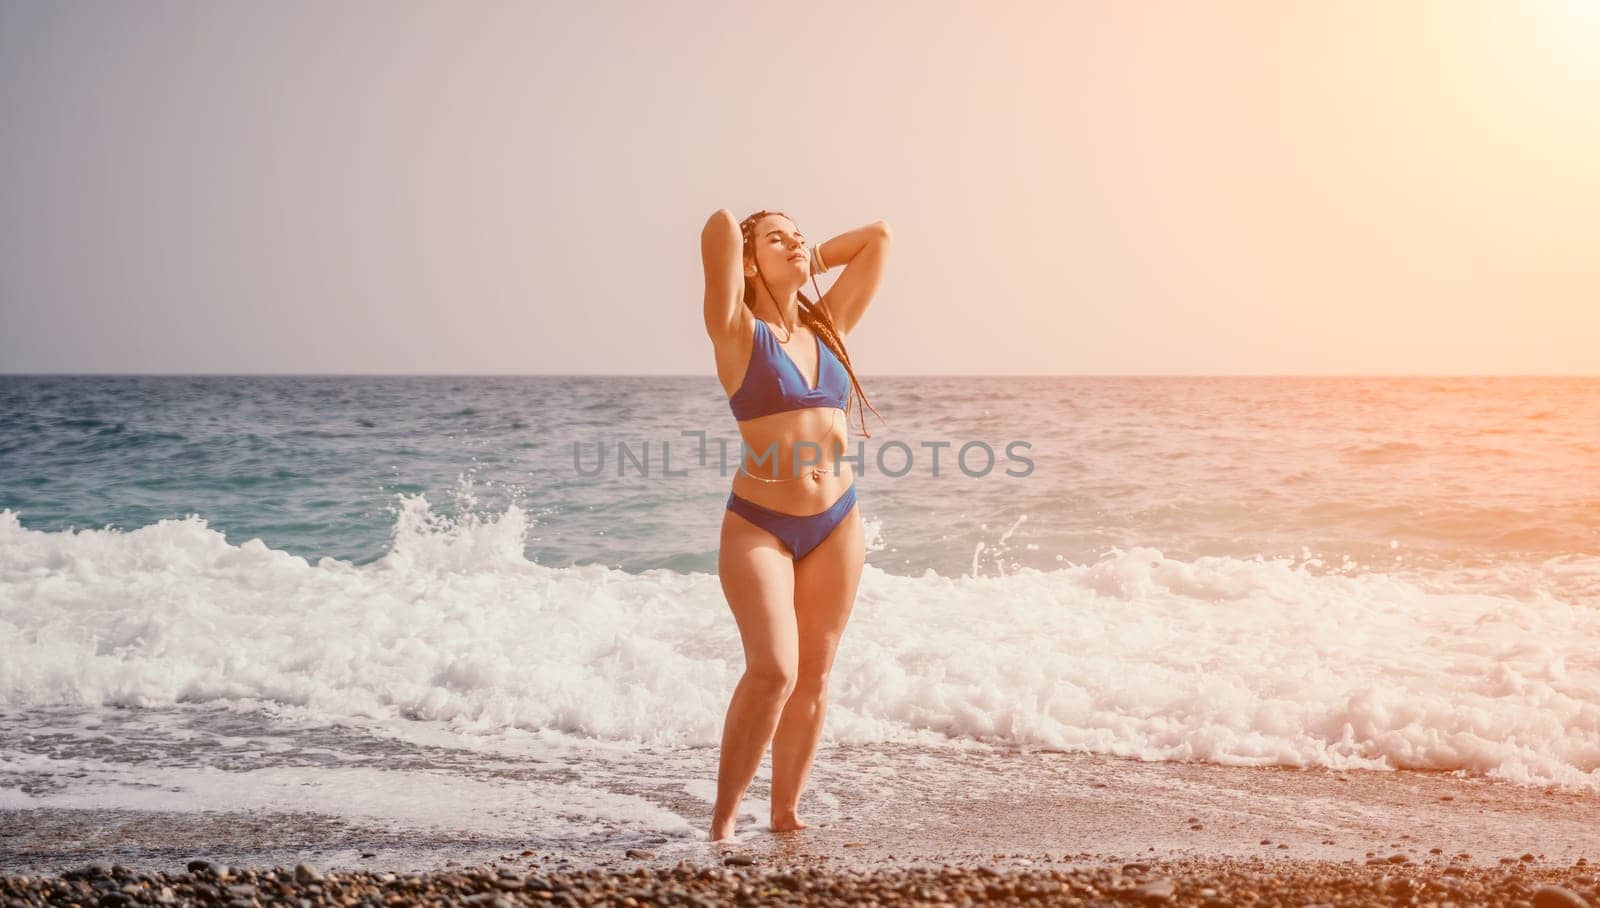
1094	828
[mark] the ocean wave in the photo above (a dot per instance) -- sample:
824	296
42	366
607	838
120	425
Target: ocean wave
1385	452
1227	660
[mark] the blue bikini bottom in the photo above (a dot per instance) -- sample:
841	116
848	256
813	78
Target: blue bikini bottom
799	532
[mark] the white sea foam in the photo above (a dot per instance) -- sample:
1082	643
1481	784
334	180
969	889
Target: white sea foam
1217	659
419	799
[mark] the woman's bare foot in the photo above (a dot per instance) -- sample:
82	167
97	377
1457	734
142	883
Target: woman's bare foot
721	829
788	823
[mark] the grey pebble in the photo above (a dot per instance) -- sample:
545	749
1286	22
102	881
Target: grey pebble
1557	897
1156	891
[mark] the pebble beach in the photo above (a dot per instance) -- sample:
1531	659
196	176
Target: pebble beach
740	880
1109	832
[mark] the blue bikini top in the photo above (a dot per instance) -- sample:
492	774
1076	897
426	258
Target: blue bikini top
773	383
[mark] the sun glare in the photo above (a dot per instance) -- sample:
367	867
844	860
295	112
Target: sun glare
1570	30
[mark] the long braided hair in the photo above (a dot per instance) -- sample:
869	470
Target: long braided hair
812	315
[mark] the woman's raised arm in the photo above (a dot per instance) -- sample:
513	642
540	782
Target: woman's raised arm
722	254
865	252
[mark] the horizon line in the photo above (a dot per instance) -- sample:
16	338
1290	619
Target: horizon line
878	375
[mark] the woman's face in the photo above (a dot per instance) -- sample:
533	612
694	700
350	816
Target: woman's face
781	250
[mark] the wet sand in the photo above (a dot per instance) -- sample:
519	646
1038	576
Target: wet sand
1213	833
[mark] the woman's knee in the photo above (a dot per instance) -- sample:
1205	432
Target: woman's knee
773	681
811	682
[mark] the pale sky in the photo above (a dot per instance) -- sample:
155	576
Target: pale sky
1381	187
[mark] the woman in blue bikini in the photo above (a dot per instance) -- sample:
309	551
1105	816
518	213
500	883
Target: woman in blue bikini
792	543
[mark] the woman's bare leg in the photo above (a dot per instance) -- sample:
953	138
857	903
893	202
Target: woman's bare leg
825	584
758	580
